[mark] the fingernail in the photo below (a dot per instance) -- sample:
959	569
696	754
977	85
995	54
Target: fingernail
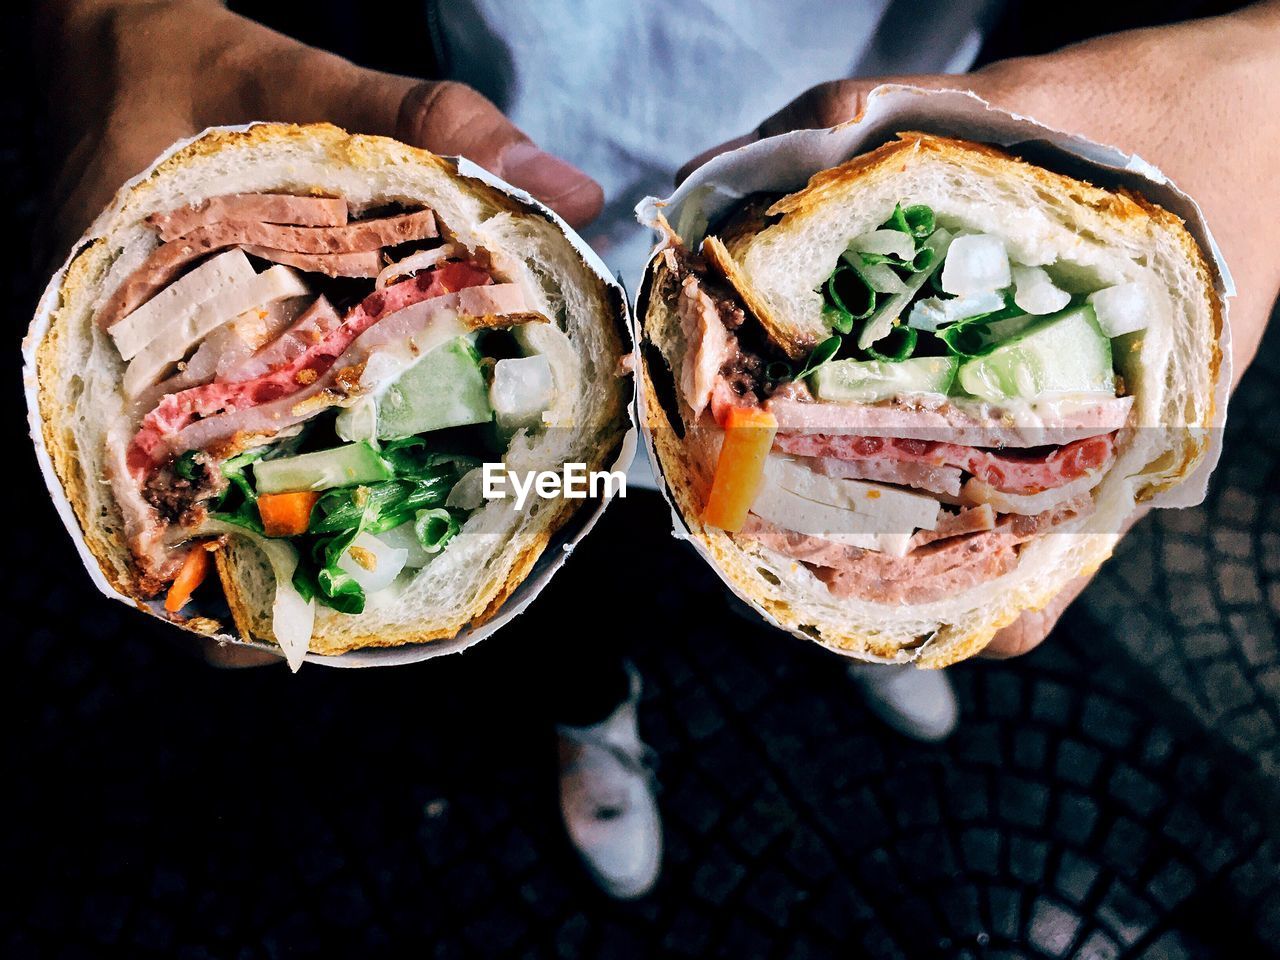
544	175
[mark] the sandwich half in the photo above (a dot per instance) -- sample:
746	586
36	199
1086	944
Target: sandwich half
914	399
285	353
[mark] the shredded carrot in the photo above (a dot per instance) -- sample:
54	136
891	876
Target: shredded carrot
286	514
748	436
194	569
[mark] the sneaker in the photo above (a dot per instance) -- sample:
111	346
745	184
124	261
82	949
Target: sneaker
607	800
917	703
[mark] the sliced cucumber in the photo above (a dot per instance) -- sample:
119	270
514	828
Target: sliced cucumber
1065	352
446	388
867	381
322	470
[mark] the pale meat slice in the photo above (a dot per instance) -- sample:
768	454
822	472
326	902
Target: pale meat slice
424	325
230	345
169	259
707	344
1013	472
945	422
362	264
921	476
301	370
931	569
262	207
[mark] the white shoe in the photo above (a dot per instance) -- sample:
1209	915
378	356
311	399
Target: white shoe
917	703
607	800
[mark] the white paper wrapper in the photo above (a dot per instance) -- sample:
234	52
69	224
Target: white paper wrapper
785	163
547	565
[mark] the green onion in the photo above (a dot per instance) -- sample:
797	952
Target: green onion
837	319
848	292
919	219
896	346
897	220
879	324
187	466
778	370
435	528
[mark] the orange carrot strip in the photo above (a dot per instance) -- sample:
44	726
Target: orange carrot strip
286	514
748	437
194	569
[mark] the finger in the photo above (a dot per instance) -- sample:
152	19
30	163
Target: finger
826	105
1030	630
453	119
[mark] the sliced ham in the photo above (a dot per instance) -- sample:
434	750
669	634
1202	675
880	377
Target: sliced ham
922	476
170	258
934	568
262	207
418	260
1006	471
969	520
708	346
308	329
229	346
362	263
985	425
417	329
301	369
976	563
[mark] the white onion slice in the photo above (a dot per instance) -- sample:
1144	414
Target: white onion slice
976	263
1122	309
881	278
1035	293
372	563
404	538
418	260
292	618
934	312
886	243
468	492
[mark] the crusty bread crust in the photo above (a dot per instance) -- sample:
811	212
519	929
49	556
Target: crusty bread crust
1177	397
323	159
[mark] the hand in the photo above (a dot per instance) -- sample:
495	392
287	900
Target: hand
130	77
1199	100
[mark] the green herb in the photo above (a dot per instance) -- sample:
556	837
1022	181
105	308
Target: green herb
187	466
821	354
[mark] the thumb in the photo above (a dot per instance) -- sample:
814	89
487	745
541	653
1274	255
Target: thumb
452	118
826	105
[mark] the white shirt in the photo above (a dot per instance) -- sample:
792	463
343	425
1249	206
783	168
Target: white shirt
630	90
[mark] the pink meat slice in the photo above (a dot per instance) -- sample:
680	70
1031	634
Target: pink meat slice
921	476
943	421
1010	472
932	568
309	328
217	432
362	263
301	371
169	259
263	207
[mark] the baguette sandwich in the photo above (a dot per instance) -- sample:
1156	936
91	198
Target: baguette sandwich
284	353
910	401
